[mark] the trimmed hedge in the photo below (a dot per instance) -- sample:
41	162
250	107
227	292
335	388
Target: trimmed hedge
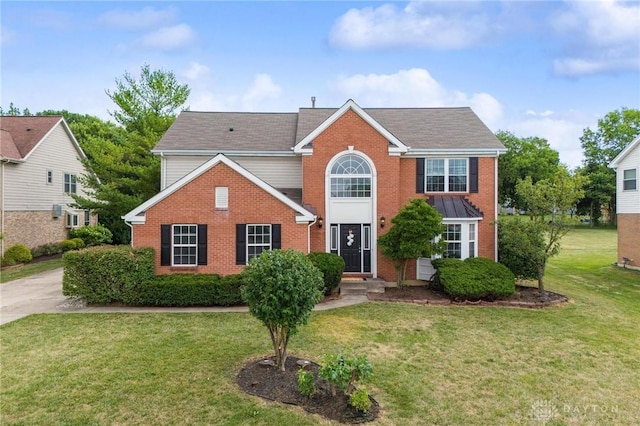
46	250
187	290
331	265
474	278
100	274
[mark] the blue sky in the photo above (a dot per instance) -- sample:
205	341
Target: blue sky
547	69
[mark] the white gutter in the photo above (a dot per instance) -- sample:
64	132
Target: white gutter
130	226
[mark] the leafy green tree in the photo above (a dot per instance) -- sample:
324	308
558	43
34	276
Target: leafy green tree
412	234
281	288
15	111
521	246
600	146
549	204
125	172
531	157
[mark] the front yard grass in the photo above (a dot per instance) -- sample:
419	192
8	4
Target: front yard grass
573	364
29	269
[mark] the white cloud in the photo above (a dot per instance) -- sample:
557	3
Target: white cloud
600	37
262	89
168	38
413	88
196	71
562	130
419	24
146	18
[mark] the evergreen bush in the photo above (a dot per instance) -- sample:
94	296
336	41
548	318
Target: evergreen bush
332	266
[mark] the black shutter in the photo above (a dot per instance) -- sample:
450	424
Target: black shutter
473	174
241	244
202	244
165	245
420	175
276	241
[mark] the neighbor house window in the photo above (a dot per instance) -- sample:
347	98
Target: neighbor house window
351	177
185	245
446	175
70	183
72	219
49	177
258	240
629	180
222	197
87	217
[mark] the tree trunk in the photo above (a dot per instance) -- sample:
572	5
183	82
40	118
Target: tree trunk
541	278
280	340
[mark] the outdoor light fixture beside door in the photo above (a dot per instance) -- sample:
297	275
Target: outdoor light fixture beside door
382	222
320	221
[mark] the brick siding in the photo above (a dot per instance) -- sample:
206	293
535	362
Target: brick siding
628	241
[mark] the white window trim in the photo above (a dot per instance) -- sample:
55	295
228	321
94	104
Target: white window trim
72	219
173	245
333	176
334	238
246	230
73	183
446	175
87	215
635	179
464	234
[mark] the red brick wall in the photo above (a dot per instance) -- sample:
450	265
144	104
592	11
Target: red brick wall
628	232
396	183
194	204
351	130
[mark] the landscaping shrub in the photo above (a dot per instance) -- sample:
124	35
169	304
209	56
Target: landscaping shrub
306	382
187	290
50	249
101	274
475	278
359	400
92	235
67	245
332	266
17	253
343	371
79	243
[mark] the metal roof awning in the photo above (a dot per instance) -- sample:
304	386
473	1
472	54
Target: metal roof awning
454	207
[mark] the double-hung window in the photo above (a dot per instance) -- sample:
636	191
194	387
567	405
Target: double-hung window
185	245
629	180
72	219
446	174
258	240
70	185
460	240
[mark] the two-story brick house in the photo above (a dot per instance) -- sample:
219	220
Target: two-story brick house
321	179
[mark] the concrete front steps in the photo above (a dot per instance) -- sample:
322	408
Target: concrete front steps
362	286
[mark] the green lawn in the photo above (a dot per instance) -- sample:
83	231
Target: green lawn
432	365
29	269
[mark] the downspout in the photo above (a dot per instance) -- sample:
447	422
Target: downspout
130	226
315	219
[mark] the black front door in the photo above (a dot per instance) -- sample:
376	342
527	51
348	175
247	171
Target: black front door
350	247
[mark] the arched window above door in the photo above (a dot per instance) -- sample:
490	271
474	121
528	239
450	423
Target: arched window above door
351	177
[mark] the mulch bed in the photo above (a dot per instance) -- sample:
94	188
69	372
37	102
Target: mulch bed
282	386
524	297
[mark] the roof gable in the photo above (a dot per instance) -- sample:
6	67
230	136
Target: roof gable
21	136
397	145
136	216
616	161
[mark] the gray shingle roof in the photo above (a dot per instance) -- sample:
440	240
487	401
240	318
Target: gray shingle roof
21	134
419	128
454	207
212	131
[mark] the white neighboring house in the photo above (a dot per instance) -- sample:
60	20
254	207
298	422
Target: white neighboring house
40	162
627	167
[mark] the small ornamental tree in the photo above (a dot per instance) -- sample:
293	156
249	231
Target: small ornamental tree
281	288
413	234
521	246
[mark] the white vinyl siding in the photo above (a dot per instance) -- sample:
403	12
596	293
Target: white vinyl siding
279	172
628	200
25	184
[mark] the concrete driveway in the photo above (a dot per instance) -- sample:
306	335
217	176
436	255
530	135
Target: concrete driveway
40	293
